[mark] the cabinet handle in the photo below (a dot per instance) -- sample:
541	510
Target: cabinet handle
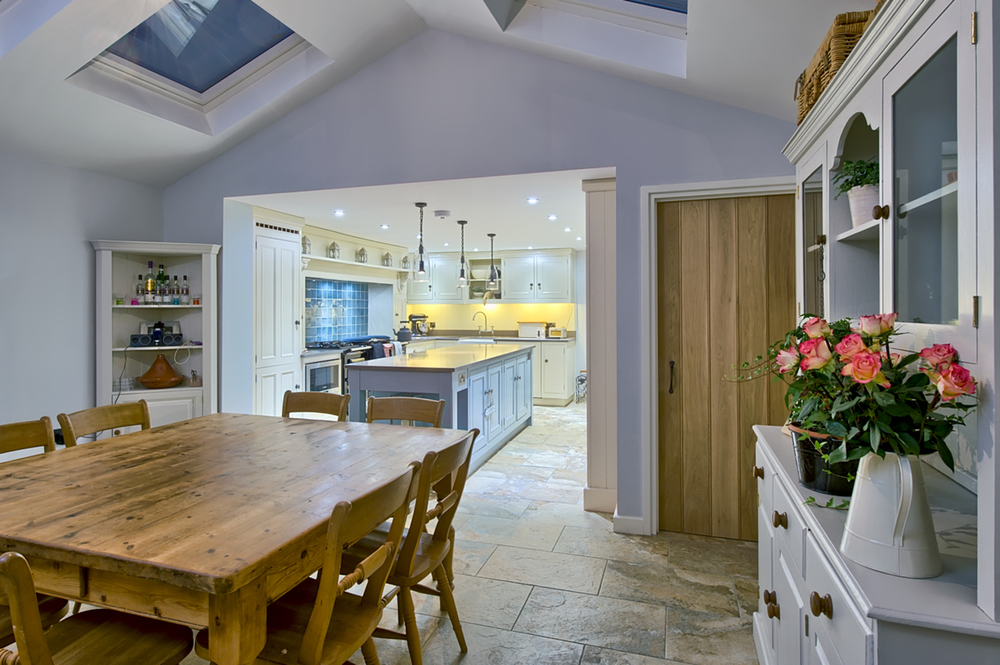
770	597
671	391
779	520
758	472
539	286
531	286
774	611
821	605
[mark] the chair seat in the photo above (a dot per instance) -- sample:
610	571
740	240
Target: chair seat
430	554
288	617
50	608
107	637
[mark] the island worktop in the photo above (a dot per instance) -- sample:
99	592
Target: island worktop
484	386
445	359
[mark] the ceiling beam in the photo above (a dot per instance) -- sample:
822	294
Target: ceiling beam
504	11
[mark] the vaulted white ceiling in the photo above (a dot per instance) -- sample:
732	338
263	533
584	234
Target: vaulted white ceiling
746	54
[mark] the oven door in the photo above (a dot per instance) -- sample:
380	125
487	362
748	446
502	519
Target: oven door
323	376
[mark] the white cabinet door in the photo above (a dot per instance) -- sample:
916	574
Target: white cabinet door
478	400
173	407
536	370
522	390
519	278
554	384
277	270
419	291
444	280
508	403
553	277
270	384
494	424
788	621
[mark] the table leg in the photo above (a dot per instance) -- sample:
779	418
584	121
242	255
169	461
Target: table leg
238	624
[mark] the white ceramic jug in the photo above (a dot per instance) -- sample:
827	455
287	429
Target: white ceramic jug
889	526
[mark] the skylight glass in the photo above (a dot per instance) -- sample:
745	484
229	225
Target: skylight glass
197	43
680	6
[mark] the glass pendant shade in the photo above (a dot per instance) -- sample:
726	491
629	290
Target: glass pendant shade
462	280
494	276
421	274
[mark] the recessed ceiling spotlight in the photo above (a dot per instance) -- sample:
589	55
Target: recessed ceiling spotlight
418	236
446	244
579	238
530	247
567	229
552	218
532	200
385	226
476	249
338	213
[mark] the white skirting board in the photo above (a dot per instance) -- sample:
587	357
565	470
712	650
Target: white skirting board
632	525
600	499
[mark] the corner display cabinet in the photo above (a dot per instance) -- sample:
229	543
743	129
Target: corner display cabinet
917	94
120	361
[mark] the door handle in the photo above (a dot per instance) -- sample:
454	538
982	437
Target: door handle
758	472
671	391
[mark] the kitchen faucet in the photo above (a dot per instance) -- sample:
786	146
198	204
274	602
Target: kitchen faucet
486	322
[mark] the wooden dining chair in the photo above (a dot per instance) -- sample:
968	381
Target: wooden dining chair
318	621
423	553
97	636
412	409
23	436
315	402
98	419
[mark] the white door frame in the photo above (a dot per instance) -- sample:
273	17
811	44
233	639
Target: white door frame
650	196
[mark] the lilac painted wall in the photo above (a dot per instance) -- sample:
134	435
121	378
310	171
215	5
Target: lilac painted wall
48	216
444	106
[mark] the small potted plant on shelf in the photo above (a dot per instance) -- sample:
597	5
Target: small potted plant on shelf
852	399
859	179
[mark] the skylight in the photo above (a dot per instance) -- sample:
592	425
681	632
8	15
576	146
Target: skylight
198	43
680	6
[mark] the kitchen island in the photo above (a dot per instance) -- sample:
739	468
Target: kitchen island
484	386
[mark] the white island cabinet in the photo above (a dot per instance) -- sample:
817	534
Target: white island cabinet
917	94
118	266
483	386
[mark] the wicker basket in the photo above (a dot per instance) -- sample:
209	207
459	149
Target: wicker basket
838	43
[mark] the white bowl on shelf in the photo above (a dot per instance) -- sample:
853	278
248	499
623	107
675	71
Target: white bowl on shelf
480	273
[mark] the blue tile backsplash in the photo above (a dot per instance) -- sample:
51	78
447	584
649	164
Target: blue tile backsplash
335	310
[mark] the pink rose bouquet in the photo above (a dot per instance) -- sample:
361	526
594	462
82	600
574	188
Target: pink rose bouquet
844	380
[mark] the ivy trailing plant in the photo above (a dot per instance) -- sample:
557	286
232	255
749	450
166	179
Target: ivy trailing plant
856	174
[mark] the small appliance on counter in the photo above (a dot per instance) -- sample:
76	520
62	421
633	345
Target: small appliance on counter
404	334
536	329
418	324
557	333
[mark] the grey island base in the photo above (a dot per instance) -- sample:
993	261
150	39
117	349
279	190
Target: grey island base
484	386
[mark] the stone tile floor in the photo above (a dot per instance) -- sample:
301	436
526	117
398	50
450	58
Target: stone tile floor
539	580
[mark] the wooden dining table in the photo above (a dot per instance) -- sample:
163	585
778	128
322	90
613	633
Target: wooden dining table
201	522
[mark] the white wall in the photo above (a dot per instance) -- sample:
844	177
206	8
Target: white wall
444	106
48	216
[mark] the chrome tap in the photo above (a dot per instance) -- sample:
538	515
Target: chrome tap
486	322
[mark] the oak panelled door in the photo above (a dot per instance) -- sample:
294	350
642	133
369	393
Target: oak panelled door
726	290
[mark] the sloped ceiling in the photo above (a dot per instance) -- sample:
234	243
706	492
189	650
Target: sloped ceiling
746	54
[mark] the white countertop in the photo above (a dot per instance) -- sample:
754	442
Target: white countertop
446	359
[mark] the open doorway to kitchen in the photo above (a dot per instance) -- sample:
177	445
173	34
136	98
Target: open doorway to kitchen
359	263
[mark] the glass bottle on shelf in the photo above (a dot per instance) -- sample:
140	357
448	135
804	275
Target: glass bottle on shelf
149	292
161	287
140	292
175	292
185	292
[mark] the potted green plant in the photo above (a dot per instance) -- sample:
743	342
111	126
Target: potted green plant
884	409
860	180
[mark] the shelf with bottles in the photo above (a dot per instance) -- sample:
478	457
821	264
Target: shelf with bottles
130	272
151	307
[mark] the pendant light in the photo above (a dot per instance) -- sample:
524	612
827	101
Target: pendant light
492	284
462	281
421	274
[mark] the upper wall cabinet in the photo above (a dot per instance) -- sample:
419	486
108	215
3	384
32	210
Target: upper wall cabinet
523	277
909	103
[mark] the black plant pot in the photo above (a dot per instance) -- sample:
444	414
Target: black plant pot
814	472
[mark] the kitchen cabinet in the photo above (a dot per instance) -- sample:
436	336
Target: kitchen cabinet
270	384
118	263
442	281
508	404
522	392
553	365
494	416
538	277
477	400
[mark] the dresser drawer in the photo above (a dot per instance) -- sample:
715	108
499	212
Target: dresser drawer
845	630
788	527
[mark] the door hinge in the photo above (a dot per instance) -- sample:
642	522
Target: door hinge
974	35
797	192
975	311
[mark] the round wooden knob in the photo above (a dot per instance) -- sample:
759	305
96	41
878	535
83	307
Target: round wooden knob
758	472
820	605
877	212
779	520
770	597
774	611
